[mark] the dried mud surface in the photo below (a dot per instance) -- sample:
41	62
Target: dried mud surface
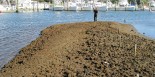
88	49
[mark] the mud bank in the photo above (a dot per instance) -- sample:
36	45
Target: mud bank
88	49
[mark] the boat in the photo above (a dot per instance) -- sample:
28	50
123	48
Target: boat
131	7
70	6
146	8
5	6
2	8
120	8
152	5
122	5
101	6
87	7
58	5
58	8
111	6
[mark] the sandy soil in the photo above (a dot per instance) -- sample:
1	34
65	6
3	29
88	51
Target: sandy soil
88	49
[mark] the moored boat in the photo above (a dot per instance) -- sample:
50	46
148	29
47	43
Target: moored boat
152	5
87	7
101	6
70	6
57	6
2	8
130	8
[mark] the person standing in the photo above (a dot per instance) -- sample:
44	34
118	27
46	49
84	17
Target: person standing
95	14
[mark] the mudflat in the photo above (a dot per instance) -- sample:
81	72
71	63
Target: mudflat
86	49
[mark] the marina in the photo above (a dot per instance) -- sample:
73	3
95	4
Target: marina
75	5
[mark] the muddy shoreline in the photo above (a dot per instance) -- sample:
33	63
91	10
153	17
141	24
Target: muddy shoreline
91	49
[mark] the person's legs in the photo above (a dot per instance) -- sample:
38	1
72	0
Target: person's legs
95	18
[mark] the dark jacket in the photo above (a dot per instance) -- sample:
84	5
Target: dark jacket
95	12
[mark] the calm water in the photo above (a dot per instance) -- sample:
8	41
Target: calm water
18	30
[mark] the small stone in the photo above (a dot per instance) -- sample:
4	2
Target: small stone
154	54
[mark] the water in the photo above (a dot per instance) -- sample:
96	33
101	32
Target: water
18	29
